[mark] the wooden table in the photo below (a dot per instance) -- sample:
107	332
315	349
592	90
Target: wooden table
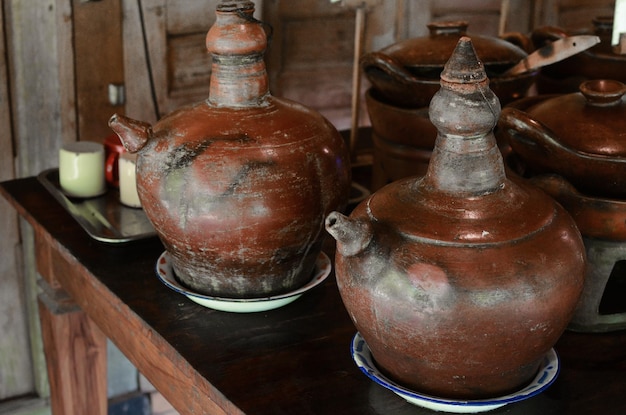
293	360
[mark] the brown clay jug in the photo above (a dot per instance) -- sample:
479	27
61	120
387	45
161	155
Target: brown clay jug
238	186
462	280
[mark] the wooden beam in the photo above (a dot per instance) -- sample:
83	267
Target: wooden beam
98	64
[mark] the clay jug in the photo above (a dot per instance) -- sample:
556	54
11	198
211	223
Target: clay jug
238	186
460	281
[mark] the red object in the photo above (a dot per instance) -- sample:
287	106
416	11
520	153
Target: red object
113	148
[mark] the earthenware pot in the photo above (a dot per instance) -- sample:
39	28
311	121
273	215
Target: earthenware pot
580	136
406	74
462	280
238	186
602	223
403	140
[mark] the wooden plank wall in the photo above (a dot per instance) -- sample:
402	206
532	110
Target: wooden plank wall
98	62
15	365
166	62
39	61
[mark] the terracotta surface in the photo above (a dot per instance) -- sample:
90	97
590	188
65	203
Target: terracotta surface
238	186
579	136
462	280
403	140
406	74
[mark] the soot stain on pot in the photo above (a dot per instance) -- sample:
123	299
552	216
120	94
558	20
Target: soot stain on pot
246	171
183	155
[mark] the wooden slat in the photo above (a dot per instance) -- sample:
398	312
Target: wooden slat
38	100
98	62
76	356
190	16
153	21
15	365
178	64
140	104
189	66
40	58
66	75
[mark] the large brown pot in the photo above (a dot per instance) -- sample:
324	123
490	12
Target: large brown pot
406	74
462	280
403	139
237	186
580	136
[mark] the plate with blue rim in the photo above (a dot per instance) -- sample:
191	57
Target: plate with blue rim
546	375
166	274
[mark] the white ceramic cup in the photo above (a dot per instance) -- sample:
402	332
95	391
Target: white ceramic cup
81	169
128	180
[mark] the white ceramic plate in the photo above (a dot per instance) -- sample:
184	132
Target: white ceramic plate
547	374
165	273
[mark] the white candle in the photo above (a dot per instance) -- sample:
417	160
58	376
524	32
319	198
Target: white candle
81	169
128	180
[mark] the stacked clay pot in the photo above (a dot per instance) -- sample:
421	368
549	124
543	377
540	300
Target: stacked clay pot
573	146
404	78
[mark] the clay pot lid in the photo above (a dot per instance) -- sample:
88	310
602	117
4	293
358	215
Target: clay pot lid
591	121
426	56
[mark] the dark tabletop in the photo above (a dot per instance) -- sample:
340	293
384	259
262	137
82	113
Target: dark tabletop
295	359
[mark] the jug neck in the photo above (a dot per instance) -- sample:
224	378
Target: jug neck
237	43
466	160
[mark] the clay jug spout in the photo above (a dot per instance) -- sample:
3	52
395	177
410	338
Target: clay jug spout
133	134
353	236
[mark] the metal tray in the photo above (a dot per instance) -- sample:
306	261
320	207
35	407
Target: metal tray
104	218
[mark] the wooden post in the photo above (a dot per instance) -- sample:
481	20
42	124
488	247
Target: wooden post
76	359
75	348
